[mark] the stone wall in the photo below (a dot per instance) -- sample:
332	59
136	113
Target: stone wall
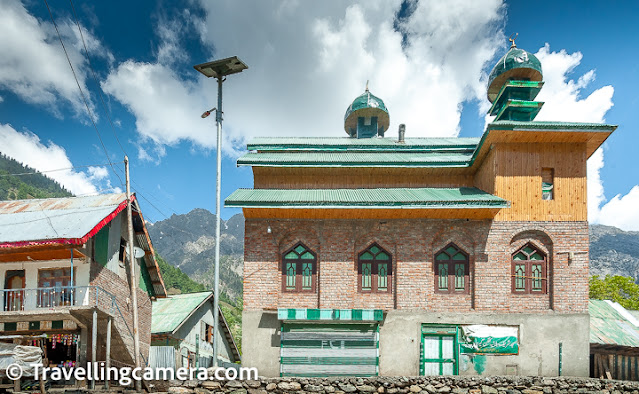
404	385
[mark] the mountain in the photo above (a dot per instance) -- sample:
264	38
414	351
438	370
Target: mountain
188	243
29	184
614	251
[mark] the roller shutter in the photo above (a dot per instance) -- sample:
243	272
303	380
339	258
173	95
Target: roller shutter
329	350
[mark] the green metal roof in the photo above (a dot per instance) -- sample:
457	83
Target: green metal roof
552	126
360	144
169	313
609	326
356	159
424	198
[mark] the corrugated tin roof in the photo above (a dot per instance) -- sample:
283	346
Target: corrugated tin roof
608	326
170	312
427	198
54	218
357	159
552	126
368	144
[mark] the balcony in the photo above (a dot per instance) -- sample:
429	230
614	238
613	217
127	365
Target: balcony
51	299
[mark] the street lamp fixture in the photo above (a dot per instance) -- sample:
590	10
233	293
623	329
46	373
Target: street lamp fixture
218	69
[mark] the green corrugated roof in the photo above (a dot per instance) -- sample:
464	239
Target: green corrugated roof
170	312
552	126
610	327
356	159
367	144
427	198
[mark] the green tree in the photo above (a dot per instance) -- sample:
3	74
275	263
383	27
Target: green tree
617	288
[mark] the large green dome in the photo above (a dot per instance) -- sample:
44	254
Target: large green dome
366	105
516	64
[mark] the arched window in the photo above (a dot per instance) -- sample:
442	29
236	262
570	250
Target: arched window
299	270
375	270
529	271
451	270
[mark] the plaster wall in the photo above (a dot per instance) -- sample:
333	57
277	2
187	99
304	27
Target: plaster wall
400	336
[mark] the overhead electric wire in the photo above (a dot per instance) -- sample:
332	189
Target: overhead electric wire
58	169
86	104
95	77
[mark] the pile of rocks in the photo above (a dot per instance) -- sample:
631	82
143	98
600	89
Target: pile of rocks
404	385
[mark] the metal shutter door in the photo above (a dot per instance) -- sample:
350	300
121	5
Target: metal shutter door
329	350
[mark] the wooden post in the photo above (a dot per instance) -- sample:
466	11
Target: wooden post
16	383
108	352
133	274
94	343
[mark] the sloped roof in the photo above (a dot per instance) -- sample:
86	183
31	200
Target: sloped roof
170	313
611	324
425	198
69	220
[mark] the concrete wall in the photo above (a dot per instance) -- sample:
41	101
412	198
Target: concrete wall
400	336
261	342
539	338
193	327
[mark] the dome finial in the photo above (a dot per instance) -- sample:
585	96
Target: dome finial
512	40
367	85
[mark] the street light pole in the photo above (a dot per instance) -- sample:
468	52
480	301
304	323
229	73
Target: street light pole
218	69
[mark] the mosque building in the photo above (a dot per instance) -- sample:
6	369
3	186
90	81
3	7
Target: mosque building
367	255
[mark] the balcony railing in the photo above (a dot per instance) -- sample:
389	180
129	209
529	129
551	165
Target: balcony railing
46	298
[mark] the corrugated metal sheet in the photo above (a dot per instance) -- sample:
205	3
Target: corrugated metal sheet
368	144
464	197
609	327
54	218
170	312
329	350
162	357
554	126
356	159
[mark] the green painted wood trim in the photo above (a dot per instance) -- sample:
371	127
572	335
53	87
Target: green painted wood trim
330	314
329	360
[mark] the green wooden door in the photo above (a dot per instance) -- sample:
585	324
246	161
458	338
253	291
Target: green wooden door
440	351
329	350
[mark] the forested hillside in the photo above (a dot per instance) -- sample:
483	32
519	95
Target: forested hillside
26	185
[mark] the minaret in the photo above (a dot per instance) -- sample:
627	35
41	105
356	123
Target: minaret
366	117
513	85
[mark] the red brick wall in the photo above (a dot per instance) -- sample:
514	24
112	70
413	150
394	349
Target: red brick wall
122	328
412	244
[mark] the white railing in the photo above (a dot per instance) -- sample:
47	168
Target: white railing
14	300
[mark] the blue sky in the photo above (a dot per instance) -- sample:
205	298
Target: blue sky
428	60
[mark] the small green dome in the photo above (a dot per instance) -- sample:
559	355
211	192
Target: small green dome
516	64
366	105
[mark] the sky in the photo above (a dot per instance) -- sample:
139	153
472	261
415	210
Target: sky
82	84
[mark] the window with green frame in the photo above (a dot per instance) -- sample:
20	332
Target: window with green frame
299	270
452	270
375	270
529	271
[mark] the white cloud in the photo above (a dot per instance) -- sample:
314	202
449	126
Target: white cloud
33	65
622	211
306	65
28	149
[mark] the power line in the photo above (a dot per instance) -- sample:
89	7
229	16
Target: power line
95	77
86	104
57	169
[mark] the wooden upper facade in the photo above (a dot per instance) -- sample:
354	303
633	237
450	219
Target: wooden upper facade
507	162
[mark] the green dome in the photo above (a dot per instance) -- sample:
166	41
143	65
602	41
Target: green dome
365	105
516	64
